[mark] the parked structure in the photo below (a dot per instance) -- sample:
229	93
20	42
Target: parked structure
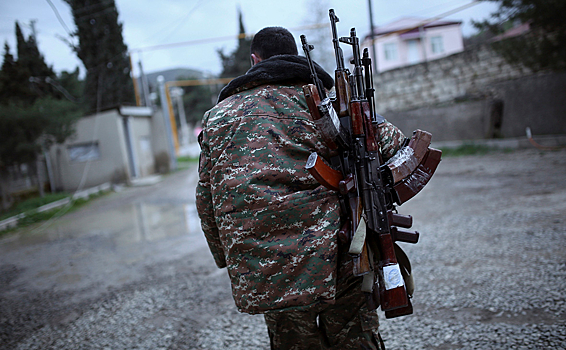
412	40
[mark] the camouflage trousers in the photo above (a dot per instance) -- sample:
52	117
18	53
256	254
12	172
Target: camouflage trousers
345	325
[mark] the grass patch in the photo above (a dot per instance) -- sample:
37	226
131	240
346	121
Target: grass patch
33	216
469	149
32	204
187	159
185	162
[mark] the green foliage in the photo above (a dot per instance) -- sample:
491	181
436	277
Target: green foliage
468	149
197	100
25	129
32	204
69	86
540	48
103	52
238	62
14	81
187	159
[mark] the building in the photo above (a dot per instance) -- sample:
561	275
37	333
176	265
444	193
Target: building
412	40
117	146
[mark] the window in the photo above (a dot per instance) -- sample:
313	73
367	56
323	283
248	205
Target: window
437	44
390	51
83	152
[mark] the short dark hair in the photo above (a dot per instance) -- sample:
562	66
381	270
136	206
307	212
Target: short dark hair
271	41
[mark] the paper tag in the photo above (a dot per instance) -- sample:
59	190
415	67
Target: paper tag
392	277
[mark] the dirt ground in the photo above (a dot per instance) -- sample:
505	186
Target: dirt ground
131	270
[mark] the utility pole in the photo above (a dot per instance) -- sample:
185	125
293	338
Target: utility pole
145	86
168	127
373	52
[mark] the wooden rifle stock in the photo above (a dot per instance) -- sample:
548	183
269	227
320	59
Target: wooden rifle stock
342	86
395	219
404	236
323	173
408	158
313	100
415	182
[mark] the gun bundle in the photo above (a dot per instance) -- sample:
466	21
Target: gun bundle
368	188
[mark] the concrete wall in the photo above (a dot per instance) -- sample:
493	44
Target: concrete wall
159	142
145	161
107	131
461	121
112	132
537	101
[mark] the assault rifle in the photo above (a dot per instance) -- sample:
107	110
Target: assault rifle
368	189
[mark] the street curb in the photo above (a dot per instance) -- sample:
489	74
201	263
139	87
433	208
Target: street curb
13	221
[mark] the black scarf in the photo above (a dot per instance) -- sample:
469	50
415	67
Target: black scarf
276	69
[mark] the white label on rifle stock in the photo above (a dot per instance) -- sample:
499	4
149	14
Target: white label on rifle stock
392	277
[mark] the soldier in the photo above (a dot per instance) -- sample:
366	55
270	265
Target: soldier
267	219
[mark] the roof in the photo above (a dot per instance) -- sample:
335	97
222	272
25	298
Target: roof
411	23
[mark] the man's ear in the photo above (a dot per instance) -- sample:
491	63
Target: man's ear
255	59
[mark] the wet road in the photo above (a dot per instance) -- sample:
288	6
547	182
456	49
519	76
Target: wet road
141	244
131	270
107	243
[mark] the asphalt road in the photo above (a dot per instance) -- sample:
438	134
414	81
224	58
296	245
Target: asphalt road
131	270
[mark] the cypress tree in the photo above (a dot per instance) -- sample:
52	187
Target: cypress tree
14	81
238	62
103	52
32	64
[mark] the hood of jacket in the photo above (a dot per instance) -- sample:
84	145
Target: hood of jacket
276	69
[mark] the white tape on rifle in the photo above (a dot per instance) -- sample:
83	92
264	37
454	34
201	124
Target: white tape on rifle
359	238
392	277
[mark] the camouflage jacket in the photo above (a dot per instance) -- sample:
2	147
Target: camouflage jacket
264	216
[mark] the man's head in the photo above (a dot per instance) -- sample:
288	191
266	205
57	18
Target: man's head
271	41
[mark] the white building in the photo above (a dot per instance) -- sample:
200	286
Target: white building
118	145
412	40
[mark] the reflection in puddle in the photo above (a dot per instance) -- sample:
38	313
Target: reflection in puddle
125	225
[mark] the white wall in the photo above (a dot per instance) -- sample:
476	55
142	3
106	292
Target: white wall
104	129
452	42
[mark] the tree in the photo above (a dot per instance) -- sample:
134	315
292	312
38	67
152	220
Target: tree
540	48
34	112
29	130
103	52
14	82
32	66
238	62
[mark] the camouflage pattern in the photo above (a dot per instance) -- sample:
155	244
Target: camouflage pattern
390	139
345	325
264	216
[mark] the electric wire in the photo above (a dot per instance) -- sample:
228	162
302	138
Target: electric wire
59	17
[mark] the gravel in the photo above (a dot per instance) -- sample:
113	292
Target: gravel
490	273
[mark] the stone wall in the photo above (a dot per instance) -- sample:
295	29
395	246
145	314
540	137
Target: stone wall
471	95
459	76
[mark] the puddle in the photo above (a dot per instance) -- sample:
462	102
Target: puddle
126	225
101	248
